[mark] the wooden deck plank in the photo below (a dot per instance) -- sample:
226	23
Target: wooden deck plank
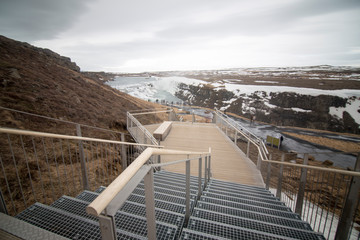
228	162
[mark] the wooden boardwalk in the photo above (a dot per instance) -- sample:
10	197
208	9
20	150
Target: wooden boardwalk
228	163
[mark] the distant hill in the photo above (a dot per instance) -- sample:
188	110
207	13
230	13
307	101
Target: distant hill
41	81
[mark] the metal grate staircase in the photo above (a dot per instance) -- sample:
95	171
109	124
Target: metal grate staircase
224	211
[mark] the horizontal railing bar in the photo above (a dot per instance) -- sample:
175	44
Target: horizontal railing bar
345	172
144	113
175	162
102	201
59	136
144	110
58	120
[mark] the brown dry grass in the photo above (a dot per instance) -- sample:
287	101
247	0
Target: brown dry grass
344	146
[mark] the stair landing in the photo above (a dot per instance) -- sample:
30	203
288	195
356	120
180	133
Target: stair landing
228	162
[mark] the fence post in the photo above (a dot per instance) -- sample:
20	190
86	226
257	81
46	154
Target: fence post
268	173
82	159
236	137
278	190
150	204
199	178
258	162
107	227
2	204
248	149
187	193
349	210
206	172
123	153
300	195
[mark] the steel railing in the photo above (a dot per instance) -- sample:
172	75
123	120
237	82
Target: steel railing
327	198
41	167
112	198
150	116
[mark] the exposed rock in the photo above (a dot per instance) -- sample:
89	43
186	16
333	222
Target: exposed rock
327	163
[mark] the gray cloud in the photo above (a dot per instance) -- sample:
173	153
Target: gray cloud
30	20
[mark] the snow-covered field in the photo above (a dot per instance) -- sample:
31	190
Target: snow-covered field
164	88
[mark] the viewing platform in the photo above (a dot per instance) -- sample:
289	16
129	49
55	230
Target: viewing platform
228	162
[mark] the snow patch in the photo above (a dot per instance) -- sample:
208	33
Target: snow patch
352	107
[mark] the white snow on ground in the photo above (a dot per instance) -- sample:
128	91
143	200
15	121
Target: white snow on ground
170	84
273	82
351	107
299	110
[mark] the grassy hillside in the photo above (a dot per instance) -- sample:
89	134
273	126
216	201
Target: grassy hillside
40	81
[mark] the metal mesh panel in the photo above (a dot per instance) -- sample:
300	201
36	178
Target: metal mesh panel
250	201
255	215
286	214
240	191
161	215
179	184
181	181
159	204
87	196
140	190
100	189
236	185
64	224
124	221
255	225
227	231
238	188
165	197
193	189
188	234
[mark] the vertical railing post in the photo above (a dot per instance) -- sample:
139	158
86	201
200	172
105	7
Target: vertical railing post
206	171
199	178
349	210
123	153
150	204
209	168
258	163
2	204
187	193
301	192
248	149
268	175
82	159
279	186
236	136
107	227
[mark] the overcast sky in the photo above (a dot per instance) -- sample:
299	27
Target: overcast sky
148	35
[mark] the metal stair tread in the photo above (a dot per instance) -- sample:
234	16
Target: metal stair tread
228	231
188	234
161	215
66	224
295	223
256	225
239	187
216	201
247	201
233	184
239	191
123	220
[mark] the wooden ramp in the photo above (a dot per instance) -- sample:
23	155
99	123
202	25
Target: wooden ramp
228	163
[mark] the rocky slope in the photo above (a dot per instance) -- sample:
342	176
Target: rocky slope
40	81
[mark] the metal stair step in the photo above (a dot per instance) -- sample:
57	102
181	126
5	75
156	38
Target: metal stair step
236	185
179	184
170	179
251	201
173	174
229	191
123	220
285	214
256	225
66	224
216	184
228	231
141	191
171	186
258	216
188	234
161	200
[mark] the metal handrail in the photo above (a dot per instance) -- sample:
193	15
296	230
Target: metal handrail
142	128
60	136
254	140
102	201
